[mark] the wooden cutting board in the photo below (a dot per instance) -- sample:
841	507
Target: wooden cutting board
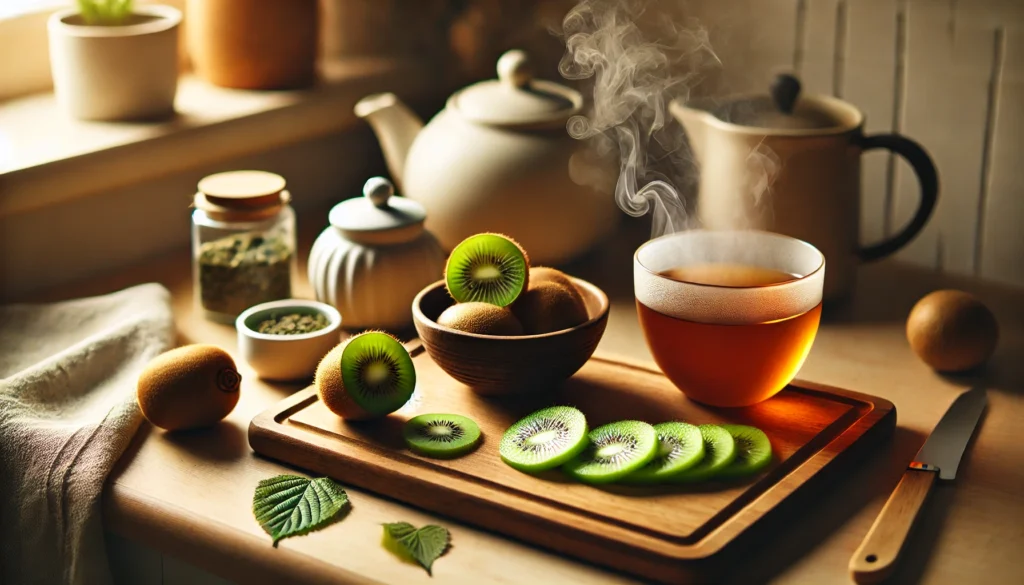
662	533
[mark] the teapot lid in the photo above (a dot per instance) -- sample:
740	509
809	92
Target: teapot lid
378	210
516	98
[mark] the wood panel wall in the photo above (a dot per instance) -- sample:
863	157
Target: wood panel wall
947	73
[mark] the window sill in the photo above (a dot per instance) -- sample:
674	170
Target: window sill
80	198
46	157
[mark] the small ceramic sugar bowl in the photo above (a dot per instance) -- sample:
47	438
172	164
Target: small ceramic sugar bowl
374	258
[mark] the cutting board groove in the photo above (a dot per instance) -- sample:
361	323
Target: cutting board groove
658	532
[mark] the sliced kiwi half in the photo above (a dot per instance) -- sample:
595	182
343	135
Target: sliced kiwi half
441	435
487	268
680	447
367	376
615	450
545	439
753	451
719	453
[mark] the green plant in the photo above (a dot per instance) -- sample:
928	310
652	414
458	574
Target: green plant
105	12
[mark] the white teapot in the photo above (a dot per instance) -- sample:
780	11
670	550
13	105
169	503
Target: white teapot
375	258
496	159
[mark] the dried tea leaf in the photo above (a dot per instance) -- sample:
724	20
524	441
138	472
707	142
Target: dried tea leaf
290	505
424	545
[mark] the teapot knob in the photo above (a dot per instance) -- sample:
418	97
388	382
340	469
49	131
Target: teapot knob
378	190
515	69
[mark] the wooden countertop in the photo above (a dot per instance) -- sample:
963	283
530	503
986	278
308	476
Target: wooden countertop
189	495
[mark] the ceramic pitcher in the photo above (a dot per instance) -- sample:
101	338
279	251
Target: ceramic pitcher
790	163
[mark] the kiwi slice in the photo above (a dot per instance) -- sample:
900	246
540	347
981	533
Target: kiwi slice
753	451
487	268
441	435
680	447
615	450
367	376
719	452
545	439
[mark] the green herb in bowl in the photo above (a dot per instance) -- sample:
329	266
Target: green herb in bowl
292	324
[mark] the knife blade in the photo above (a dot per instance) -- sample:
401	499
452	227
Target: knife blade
945	446
939	457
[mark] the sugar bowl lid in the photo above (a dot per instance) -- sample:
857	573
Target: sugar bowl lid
379	213
516	98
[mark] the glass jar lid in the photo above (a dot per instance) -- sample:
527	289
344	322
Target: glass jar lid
380	213
516	98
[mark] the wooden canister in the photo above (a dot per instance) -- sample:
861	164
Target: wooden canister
254	44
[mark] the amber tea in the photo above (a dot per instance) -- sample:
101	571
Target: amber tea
729	328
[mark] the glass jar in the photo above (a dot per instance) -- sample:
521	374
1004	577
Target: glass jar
243	243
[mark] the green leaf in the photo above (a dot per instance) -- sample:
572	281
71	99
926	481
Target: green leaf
424	545
290	505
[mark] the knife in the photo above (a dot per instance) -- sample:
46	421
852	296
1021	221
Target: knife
940	456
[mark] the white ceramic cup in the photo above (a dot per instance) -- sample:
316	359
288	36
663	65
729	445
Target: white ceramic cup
286	357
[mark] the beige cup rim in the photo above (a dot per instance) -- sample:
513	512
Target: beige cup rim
763	233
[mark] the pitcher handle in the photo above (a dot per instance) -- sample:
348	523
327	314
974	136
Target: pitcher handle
923	167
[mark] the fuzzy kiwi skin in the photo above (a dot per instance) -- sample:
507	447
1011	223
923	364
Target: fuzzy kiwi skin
331	387
540	274
952	331
189	387
481	318
549	306
526	257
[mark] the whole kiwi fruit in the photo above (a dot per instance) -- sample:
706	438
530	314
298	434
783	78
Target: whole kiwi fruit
367	376
547	274
952	331
549	306
481	318
188	387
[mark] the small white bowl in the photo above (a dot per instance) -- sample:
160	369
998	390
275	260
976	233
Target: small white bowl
286	357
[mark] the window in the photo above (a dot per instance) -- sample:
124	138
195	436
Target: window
10	8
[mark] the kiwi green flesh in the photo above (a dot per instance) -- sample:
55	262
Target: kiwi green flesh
680	447
544	439
753	452
441	435
615	450
486	268
719	453
377	372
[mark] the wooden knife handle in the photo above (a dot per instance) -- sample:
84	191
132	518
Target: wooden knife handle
877	555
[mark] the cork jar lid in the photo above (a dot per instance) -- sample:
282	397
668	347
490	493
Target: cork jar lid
242	195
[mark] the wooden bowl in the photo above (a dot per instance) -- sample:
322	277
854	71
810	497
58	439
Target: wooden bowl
506	364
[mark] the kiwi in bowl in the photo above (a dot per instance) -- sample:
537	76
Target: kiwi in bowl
503	364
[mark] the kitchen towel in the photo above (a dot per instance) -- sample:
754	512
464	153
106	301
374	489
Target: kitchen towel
67	411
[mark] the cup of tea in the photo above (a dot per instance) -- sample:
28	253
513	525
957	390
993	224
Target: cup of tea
729	316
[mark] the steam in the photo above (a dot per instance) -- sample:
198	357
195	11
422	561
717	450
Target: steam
638	60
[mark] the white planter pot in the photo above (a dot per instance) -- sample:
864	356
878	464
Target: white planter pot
124	72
